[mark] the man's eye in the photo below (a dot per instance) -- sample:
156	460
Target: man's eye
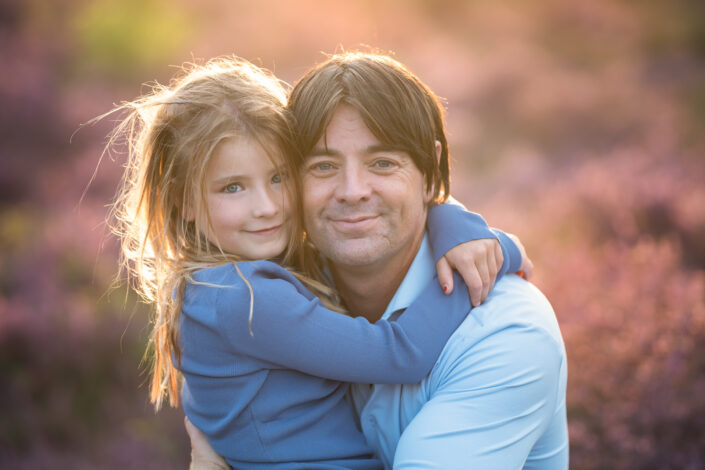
384	164
321	168
233	188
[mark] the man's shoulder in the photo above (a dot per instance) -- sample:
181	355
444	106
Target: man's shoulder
514	331
512	291
513	303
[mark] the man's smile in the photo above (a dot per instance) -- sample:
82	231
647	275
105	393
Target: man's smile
354	223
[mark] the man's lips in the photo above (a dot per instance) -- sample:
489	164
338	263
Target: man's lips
354	223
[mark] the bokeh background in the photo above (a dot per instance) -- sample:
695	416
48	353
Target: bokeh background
579	126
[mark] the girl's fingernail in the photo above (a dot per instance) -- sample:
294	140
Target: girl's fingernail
445	288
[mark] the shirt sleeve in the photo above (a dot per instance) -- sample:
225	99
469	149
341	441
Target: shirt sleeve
450	225
292	330
501	399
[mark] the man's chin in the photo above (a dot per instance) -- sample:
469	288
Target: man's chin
355	252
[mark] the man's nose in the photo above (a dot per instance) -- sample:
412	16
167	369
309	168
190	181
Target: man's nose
354	186
266	202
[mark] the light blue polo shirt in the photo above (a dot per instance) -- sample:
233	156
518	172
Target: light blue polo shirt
417	277
495	399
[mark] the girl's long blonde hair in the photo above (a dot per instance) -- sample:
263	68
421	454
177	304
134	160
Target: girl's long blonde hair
170	134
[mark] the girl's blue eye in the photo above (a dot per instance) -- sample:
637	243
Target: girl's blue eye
384	163
233	188
325	166
276	178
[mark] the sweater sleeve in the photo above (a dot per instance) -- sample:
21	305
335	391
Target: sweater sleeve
295	331
450	225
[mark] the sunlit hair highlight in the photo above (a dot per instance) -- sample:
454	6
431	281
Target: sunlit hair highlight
171	134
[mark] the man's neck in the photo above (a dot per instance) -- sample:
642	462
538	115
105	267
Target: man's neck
367	290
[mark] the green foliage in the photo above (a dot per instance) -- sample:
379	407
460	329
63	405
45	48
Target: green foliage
124	36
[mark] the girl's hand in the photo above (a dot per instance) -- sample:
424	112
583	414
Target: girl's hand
527	267
203	457
478	262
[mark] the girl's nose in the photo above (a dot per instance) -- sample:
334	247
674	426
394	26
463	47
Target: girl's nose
267	203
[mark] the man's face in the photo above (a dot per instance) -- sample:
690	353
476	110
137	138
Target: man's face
364	204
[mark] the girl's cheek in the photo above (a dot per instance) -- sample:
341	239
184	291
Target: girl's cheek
285	202
287	228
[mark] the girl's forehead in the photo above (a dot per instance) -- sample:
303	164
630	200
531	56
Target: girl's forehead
244	152
273	152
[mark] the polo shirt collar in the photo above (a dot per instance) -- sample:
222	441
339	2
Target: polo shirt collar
420	273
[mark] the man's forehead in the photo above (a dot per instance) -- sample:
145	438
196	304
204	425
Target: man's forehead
346	131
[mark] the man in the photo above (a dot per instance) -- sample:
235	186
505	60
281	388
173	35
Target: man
374	157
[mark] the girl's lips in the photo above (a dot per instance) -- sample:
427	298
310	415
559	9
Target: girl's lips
266	231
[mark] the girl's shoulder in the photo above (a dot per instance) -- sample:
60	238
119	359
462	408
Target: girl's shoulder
232	274
233	283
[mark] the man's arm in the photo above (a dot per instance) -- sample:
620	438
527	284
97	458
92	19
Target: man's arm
494	413
496	397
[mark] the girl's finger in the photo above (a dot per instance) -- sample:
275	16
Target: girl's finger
498	255
445	275
473	280
484	271
493	269
527	267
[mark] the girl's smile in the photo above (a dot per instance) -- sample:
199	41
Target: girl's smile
265	231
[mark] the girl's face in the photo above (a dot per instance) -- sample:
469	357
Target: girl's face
247	201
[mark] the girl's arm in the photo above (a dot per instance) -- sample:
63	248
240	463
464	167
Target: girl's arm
295	331
462	240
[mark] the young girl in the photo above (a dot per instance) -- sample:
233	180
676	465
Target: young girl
210	215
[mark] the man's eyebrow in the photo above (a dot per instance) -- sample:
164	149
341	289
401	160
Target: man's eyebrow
328	152
322	152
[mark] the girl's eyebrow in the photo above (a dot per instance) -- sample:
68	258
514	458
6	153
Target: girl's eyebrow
230	178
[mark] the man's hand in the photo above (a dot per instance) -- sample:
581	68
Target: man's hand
203	457
478	262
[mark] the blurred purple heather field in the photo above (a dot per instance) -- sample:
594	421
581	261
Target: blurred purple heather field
579	126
